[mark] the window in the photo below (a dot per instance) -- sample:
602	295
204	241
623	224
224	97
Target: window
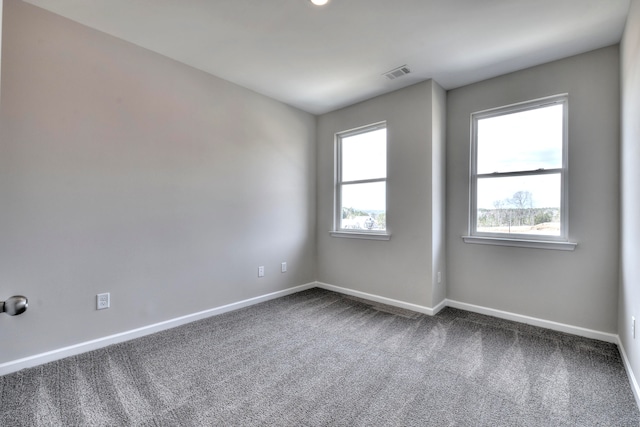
361	182
518	174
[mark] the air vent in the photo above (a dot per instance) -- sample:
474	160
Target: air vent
397	72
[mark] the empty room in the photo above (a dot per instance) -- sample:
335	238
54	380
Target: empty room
319	213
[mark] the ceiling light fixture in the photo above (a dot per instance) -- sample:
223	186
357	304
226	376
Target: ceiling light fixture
319	2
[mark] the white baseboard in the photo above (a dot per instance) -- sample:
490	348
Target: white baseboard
632	378
440	306
384	300
50	356
548	324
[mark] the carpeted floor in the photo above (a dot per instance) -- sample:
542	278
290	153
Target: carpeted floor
318	358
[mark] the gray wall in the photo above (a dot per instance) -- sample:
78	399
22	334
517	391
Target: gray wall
122	171
438	193
401	268
577	288
630	184
1	9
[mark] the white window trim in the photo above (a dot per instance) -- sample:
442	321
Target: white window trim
521	240
337	203
367	235
521	243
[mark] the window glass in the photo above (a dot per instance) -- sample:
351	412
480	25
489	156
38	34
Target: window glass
519	205
364	156
525	140
364	206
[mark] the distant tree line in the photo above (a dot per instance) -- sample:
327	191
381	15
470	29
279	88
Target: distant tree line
516	211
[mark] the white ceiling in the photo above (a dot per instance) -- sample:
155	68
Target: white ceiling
323	58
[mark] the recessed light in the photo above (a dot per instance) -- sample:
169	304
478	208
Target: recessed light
319	2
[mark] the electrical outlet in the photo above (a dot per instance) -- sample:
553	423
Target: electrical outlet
439	277
633	327
261	271
103	301
283	267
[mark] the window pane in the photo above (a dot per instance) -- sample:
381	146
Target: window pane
364	156
522	141
364	206
522	205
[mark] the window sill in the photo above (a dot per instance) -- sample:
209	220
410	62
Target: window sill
360	235
537	244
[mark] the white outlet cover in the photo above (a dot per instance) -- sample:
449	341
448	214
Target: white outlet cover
103	301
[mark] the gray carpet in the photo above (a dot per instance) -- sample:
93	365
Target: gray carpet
318	358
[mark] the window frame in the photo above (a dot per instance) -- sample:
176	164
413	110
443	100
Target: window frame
337	231
561	241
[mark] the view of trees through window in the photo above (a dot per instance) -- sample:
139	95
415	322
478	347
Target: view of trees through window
518	215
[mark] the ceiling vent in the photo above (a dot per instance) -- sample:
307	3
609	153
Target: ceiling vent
397	72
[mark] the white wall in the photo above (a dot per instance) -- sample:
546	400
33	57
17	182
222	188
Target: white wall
403	267
630	189
122	171
575	288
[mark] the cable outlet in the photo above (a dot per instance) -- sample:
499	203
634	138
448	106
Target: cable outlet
261	271
103	301
283	267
